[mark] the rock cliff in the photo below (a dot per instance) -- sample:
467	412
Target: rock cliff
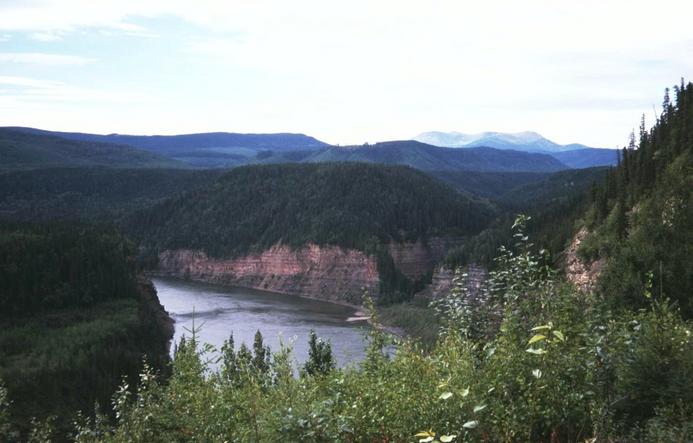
415	260
441	281
325	272
583	275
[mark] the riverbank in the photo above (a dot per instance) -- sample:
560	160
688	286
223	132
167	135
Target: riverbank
402	320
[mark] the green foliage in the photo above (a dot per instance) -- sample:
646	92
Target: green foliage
320	360
654	370
46	267
558	366
554	203
4	411
91	194
416	319
74	320
255	207
641	219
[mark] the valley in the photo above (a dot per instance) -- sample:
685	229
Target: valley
162	245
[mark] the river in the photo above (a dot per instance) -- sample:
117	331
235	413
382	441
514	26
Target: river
220	310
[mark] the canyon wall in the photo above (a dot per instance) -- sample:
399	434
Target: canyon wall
415	260
324	272
441	281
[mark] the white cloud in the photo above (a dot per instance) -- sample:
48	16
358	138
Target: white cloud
46	36
32	91
40	58
361	69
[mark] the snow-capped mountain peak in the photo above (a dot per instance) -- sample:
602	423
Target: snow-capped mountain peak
521	141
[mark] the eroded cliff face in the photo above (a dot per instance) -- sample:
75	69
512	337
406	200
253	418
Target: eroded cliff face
414	260
441	281
325	272
583	275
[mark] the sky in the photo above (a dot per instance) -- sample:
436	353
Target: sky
346	72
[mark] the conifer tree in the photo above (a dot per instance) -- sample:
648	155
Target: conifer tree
320	360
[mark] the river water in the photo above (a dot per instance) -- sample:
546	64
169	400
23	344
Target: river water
219	310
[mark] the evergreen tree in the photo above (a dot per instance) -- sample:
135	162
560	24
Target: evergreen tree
261	359
320	360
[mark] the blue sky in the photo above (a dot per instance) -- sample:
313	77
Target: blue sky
345	72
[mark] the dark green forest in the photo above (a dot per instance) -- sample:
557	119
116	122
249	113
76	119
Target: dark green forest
74	319
349	204
556	203
91	194
641	219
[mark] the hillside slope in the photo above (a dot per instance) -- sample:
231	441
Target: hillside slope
74	320
587	157
321	230
641	221
212	149
20	150
349	205
93	194
431	158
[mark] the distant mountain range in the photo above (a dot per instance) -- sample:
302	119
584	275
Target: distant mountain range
573	155
211	149
23	150
520	141
26	148
432	158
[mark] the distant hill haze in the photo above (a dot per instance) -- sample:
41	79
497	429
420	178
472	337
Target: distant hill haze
207	150
433	158
573	155
21	150
487	152
527	141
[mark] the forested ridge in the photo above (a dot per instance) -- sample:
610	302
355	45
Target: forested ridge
641	219
74	319
20	150
91	194
556	203
346	204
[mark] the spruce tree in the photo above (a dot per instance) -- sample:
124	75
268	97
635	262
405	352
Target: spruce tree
320	360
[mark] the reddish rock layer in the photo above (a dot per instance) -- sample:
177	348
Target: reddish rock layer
328	273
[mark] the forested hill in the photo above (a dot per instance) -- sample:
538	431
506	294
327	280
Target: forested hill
91	194
173	144
432	158
208	150
641	220
20	150
348	204
74	320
